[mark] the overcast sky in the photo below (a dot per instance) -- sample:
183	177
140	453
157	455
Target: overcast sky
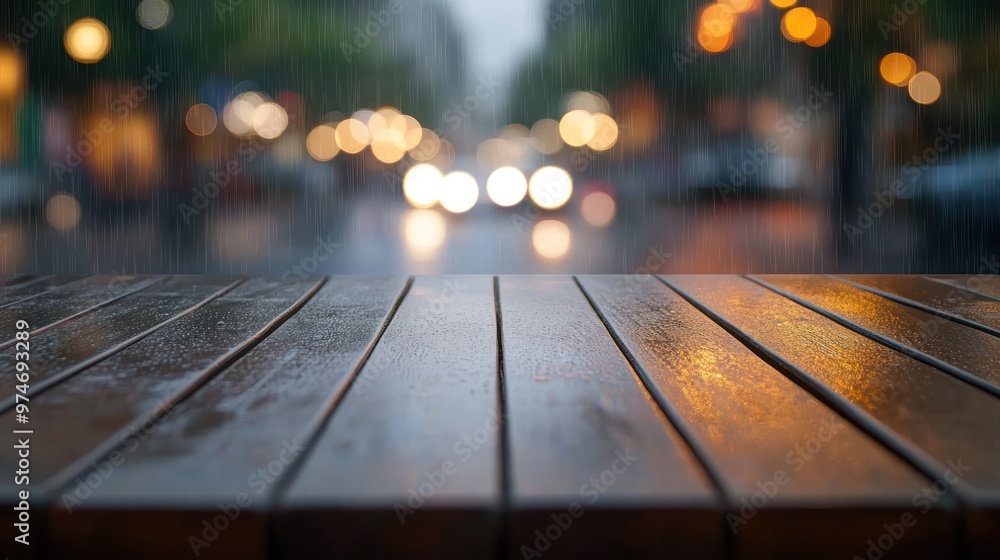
499	32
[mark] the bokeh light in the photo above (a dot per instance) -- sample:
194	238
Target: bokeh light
798	24
428	148
822	34
322	143
605	133
201	119
718	20
783	3
238	115
589	101
62	211
422	186
424	232
550	188
925	88
598	209
897	68
507	186
459	192
545	137
551	239
713	44
352	136
389	145
740	6
269	120
87	40
153	14
577	128
11	74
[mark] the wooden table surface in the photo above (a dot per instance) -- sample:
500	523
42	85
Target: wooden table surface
506	417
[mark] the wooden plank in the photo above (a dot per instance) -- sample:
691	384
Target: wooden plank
63	351
985	284
930	418
123	397
595	468
255	417
966	307
32	288
68	302
789	465
401	431
966	353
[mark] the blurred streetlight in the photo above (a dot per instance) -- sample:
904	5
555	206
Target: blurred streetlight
87	40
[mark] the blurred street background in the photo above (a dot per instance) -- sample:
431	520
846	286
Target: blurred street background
523	136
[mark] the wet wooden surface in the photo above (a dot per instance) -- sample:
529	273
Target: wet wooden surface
510	417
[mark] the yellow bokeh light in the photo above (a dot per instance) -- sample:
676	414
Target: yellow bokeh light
714	44
598	209
783	3
62	211
740	6
822	34
798	24
201	119
545	137
380	120
718	20
551	239
238	114
352	136
424	232
577	128
550	188
507	186
11	74
897	68
605	133
389	145
322	143
269	120
459	192
422	186
87	40
428	147
925	88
